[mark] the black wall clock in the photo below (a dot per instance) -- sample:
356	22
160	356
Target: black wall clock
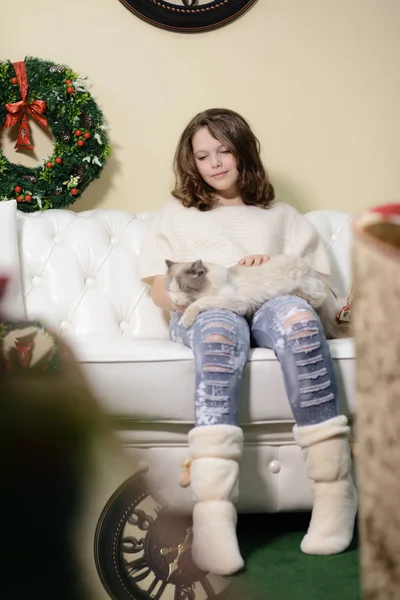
142	551
188	15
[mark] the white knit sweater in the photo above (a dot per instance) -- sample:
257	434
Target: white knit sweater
226	234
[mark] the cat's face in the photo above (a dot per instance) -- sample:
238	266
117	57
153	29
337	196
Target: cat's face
185	282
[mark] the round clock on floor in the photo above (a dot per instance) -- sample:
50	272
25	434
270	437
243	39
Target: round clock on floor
142	551
188	15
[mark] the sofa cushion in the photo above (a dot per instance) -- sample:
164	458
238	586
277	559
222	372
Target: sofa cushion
152	380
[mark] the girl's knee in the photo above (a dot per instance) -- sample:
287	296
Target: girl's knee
301	331
218	337
300	316
222	341
221	326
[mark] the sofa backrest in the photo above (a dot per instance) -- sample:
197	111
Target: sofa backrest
80	270
335	229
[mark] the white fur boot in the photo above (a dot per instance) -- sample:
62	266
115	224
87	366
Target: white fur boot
214	473
327	455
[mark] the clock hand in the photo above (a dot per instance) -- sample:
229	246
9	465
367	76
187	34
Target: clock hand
181	547
186	542
173	565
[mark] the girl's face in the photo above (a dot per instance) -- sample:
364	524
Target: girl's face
215	163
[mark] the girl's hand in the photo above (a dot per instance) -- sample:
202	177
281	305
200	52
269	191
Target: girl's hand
254	261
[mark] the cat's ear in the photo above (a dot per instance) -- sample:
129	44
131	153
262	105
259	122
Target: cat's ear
197	267
169	263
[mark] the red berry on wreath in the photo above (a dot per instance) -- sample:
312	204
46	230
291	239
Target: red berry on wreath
58	160
81	143
78	132
86	135
28	198
49	164
19	198
18	189
14	80
70	89
74	191
68	81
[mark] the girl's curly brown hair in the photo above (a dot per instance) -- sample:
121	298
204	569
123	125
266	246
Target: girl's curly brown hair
232	130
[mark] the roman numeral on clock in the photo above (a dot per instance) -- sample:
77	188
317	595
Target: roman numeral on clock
137	569
160	590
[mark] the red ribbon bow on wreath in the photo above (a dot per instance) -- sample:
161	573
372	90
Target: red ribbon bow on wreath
19	111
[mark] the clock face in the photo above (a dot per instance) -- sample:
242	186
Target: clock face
188	15
142	551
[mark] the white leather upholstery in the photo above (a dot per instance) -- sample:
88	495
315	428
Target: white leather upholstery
335	229
80	275
12	305
79	272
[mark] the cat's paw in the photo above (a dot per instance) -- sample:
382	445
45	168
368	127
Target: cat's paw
317	299
189	316
316	302
315	290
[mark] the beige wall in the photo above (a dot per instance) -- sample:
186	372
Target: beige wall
319	81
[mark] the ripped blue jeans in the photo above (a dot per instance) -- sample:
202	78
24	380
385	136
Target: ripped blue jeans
221	342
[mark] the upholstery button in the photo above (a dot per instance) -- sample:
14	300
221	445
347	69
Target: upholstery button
334	237
56	239
90	282
123	324
36	280
65	325
113	240
275	466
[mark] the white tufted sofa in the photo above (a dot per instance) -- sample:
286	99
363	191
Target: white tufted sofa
79	274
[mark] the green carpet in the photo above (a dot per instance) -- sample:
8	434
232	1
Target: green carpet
278	570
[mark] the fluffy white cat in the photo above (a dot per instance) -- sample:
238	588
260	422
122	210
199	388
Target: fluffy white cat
200	286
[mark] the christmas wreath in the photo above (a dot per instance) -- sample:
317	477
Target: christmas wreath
27	345
56	98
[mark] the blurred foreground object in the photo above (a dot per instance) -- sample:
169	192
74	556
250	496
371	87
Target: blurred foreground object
377	333
50	425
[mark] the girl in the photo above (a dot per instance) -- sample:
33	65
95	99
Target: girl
223	210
